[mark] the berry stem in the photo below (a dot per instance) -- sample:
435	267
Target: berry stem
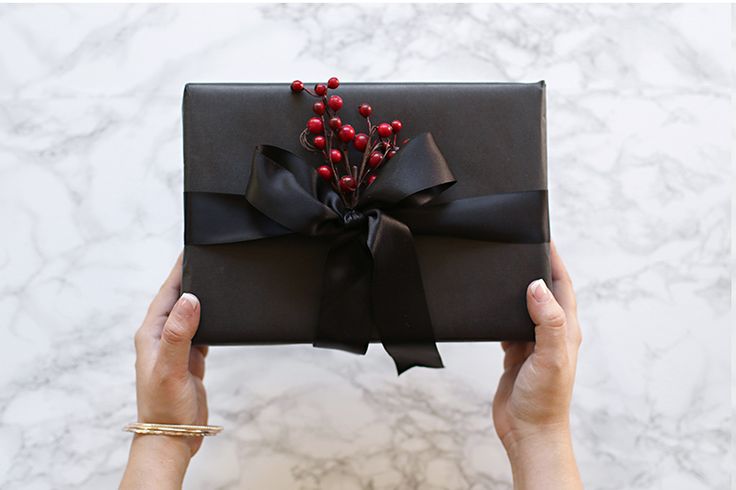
345	159
366	153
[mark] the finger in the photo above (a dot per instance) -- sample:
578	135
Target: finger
562	283
565	294
164	301
176	336
550	321
196	362
516	353
204	349
506	383
559	271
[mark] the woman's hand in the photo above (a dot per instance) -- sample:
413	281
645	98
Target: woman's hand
532	402
169	372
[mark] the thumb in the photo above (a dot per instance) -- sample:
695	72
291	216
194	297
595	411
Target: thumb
176	336
550	321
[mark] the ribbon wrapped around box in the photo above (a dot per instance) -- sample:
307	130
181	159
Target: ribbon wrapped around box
440	248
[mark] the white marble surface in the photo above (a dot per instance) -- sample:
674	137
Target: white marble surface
90	213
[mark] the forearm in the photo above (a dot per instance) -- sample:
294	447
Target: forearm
156	462
544	461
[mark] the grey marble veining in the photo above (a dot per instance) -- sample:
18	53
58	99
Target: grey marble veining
90	211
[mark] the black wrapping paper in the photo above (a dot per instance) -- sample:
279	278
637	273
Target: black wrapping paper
268	291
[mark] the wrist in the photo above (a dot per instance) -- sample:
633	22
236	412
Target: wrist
161	461
518	442
171	447
534	442
543	458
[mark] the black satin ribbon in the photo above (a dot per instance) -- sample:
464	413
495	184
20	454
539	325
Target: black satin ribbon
372	276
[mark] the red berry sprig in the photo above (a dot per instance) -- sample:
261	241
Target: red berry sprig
326	133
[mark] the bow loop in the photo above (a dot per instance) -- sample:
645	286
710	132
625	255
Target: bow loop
313	208
415	176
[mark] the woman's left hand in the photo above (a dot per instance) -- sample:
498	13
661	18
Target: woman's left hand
169	370
169	388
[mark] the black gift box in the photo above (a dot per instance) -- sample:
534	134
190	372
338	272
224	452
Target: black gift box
270	290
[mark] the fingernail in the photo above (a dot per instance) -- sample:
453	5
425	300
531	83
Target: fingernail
540	292
187	304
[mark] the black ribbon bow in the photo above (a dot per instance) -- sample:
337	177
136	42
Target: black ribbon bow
372	277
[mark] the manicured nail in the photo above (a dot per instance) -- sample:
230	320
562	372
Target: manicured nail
540	291
187	304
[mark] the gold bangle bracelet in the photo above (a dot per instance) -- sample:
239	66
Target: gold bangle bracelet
173	429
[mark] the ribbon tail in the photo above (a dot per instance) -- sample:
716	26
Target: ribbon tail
400	307
344	313
407	356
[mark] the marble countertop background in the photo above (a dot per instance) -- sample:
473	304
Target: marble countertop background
90	217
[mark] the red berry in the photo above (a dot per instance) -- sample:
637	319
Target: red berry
347	183
320	89
335	123
371	179
325	172
320	142
336	156
314	125
365	110
396	125
346	133
390	154
360	141
333	82
297	86
335	102
318	108
384	130
375	159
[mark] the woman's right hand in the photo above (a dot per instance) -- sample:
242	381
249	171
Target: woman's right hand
532	402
